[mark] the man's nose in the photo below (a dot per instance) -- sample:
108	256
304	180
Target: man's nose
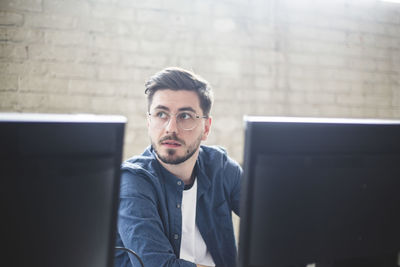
172	125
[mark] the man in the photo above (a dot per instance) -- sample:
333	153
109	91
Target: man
177	197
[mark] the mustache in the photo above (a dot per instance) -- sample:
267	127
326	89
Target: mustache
172	137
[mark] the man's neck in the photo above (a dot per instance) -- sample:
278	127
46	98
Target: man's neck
183	170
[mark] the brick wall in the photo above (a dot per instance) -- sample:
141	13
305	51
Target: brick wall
337	58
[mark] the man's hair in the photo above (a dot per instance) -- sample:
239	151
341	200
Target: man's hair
174	78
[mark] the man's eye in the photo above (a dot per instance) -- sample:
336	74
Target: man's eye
185	116
161	115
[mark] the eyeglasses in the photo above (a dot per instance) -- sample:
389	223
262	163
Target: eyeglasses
186	120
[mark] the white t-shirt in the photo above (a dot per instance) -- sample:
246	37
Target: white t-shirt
193	247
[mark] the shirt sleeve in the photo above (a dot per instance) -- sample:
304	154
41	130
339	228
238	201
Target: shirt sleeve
140	227
237	174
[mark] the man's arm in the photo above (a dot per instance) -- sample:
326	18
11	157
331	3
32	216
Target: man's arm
139	224
235	179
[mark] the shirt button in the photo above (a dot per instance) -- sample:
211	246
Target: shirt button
179	182
178	206
176	236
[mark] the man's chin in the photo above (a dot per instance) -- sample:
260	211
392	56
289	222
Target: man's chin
173	160
170	157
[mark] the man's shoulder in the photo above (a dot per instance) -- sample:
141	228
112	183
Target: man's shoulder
140	171
143	162
139	175
213	150
215	155
218	167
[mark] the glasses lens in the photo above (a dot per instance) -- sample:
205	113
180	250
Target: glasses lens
186	120
159	119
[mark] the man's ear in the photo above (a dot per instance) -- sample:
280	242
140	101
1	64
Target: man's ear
207	128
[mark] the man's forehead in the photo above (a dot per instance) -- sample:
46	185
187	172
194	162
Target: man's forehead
175	100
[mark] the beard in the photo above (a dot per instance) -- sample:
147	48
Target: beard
171	157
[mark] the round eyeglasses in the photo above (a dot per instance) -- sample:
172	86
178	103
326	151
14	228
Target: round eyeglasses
186	120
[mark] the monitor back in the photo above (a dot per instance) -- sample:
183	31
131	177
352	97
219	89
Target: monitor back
319	191
59	189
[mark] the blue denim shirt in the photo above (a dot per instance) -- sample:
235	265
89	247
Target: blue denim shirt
150	218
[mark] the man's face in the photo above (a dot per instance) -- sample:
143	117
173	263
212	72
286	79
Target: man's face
172	144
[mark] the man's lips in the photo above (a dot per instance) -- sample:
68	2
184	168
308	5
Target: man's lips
170	143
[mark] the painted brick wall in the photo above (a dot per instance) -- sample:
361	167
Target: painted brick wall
338	58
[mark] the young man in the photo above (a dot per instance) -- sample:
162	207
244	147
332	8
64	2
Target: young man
177	197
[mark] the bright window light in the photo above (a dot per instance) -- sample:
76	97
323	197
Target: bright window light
391	1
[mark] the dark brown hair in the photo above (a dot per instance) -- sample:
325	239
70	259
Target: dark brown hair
174	78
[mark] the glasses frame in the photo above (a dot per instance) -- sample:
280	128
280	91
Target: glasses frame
149	114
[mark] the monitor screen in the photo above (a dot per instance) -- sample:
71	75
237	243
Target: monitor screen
320	191
59	183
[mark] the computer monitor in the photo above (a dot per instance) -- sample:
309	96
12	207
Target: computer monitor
320	192
59	184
